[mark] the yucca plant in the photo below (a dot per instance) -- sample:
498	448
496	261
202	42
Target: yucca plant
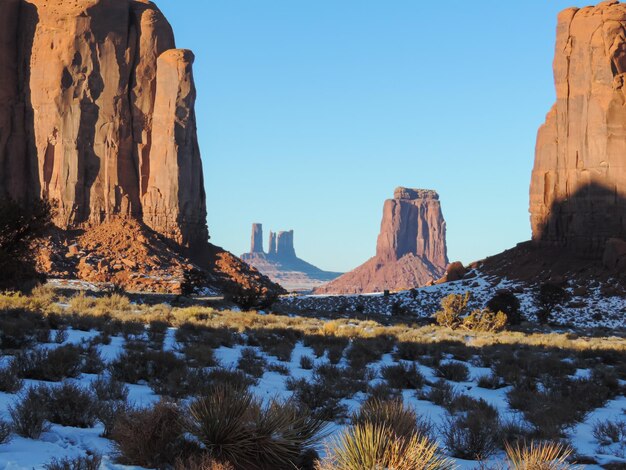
538	456
369	446
235	427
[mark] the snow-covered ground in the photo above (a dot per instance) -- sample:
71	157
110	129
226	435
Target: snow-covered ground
593	306
59	441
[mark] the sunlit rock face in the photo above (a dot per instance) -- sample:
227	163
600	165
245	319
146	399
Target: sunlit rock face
411	249
97	114
578	187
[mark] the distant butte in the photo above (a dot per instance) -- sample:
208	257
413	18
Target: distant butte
281	264
411	249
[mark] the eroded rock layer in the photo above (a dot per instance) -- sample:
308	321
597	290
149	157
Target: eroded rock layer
578	187
97	114
411	249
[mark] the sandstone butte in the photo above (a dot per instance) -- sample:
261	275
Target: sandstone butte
281	264
578	186
411	249
97	115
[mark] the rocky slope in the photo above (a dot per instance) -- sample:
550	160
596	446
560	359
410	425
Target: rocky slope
411	249
97	115
281	264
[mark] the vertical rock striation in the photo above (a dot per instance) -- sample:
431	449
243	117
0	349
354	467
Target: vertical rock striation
174	203
411	249
256	245
413	223
97	114
284	245
578	187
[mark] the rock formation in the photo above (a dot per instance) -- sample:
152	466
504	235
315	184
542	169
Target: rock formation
411	249
97	114
256	245
578	187
281	264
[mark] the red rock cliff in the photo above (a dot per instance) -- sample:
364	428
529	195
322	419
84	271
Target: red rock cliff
97	113
411	249
578	187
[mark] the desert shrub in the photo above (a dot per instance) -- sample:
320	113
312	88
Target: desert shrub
115	302
133	330
92	360
166	373
453	307
20	225
473	434
209	336
30	414
232	378
199	355
150	437
382	391
514	430
410	351
403	376
108	388
306	362
157	330
81	303
88	322
454	371
60	336
364	351
323	403
52	365
441	393
538	455
251	299
549	297
201	462
88	462
251	363
10	381
559	403
508	303
71	405
485	321
369	446
276	342
328	386
108	412
334	346
278	368
20	329
609	432
238	429
402	420
490	381
5	431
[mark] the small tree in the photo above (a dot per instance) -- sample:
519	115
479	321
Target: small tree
507	303
453	307
549	297
19	226
485	320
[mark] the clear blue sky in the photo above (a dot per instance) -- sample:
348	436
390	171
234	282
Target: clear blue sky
311	112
